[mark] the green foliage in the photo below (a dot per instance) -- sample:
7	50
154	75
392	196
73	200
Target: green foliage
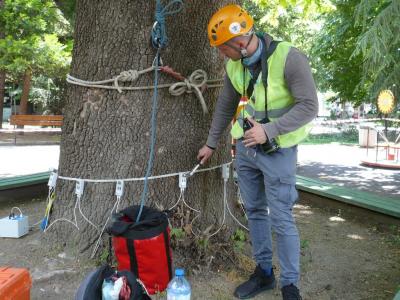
68	9
336	67
343	134
288	20
203	243
304	244
48	94
379	44
239	239
31	37
177	233
356	54
103	258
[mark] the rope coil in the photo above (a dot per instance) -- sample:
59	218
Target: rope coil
159	37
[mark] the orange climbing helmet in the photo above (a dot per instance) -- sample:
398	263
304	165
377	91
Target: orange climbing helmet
228	22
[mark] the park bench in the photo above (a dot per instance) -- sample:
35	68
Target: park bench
37	120
34	120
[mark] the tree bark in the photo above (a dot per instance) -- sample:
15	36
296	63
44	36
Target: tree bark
23	105
106	134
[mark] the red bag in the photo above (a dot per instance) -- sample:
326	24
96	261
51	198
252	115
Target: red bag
143	247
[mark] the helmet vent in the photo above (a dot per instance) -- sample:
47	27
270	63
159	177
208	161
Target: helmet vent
243	24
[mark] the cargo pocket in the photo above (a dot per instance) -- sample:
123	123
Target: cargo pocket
287	192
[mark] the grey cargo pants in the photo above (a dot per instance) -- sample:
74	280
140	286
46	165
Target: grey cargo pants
267	184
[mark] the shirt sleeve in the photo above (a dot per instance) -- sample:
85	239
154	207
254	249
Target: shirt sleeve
301	85
225	109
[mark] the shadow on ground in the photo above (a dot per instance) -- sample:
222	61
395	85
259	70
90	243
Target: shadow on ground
378	181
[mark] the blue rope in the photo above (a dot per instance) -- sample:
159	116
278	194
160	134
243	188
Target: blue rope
158	33
152	138
159	40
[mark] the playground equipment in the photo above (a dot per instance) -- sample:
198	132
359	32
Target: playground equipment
387	153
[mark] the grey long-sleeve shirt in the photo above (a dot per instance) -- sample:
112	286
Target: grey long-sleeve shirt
301	85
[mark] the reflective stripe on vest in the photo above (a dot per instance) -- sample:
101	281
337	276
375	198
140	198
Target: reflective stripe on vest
280	101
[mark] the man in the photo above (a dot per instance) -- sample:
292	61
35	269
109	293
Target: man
278	100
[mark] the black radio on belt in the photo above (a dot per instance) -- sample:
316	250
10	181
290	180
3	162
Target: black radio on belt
270	146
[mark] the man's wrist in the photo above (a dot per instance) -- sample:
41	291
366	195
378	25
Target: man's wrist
212	148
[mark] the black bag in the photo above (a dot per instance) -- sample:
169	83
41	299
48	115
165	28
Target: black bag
91	286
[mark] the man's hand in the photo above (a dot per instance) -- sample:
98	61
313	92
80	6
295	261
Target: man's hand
255	135
204	154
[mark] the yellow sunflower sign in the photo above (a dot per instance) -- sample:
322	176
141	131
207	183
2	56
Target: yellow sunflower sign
386	102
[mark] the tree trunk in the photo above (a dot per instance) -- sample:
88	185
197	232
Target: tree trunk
2	90
2	77
23	106
106	134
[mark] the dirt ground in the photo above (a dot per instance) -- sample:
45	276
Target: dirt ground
347	253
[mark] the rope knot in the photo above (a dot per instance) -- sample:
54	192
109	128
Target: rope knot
188	86
130	75
196	80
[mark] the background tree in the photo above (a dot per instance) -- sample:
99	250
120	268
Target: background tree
379	44
30	43
2	73
337	69
293	21
356	53
106	134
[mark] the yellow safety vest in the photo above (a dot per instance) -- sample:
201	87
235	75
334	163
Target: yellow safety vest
280	101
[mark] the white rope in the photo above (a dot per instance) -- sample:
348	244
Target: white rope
140	178
224	213
124	76
181	197
15	207
234	218
77	203
87	220
75	223
197	80
96	247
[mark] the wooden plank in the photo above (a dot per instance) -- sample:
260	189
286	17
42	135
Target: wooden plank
386	205
36	123
37	120
24	180
38	117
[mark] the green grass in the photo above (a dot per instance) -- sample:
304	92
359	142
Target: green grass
346	135
325	138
